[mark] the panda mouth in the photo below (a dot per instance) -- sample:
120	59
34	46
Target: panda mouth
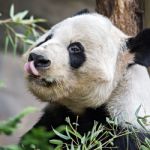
46	82
34	75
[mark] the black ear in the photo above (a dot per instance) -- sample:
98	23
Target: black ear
140	46
81	12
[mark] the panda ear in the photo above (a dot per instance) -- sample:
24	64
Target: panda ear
81	12
140	46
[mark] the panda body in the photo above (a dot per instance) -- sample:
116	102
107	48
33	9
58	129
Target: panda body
85	66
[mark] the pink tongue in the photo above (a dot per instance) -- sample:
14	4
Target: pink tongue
30	68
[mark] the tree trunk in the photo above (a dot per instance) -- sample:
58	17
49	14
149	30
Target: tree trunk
128	15
125	14
147	14
147	17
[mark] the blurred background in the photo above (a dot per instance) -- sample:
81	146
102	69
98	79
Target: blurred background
14	95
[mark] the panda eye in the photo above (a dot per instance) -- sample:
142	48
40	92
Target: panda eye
75	48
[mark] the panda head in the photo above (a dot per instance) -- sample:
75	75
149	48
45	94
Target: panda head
79	62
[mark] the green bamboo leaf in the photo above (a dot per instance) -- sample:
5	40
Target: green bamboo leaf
37	20
20	16
29	41
8	127
11	40
61	135
83	140
59	147
67	132
12	147
6	44
15	45
72	146
79	147
20	35
11	13
30	22
147	141
56	142
75	133
144	148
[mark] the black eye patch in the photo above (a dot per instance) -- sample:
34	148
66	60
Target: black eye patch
46	39
76	54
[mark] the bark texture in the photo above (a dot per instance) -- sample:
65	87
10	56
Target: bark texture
125	14
147	14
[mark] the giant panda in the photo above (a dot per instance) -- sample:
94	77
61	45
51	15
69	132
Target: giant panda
85	66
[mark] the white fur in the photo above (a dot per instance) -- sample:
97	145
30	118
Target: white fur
132	92
100	79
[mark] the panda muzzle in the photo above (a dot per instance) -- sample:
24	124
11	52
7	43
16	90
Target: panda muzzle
36	63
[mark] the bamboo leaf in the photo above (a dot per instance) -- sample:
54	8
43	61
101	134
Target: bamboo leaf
19	16
6	44
28	21
29	41
11	13
61	135
56	142
8	127
20	35
144	148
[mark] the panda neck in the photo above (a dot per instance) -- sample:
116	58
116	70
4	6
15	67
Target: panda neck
132	92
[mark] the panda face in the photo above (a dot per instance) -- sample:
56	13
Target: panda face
75	63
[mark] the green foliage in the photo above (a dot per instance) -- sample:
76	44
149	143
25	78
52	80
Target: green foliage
38	139
11	148
28	27
147	142
146	145
143	121
68	137
8	127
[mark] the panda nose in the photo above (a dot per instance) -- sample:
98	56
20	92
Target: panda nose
39	60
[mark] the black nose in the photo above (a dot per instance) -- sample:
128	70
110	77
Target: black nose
39	60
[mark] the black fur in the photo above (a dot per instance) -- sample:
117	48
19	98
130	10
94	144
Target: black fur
39	60
140	45
46	39
54	116
81	12
76	54
131	141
